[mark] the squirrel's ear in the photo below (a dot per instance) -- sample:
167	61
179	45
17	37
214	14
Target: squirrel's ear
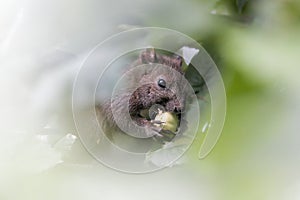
148	56
176	63
178	59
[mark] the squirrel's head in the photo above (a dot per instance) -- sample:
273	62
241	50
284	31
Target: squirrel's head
161	83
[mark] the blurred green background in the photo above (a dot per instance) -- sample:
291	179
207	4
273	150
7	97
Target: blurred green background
255	44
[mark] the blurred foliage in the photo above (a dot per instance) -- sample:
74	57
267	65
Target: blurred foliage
255	45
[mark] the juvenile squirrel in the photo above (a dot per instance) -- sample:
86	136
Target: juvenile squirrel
157	87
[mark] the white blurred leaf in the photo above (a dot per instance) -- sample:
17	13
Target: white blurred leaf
188	53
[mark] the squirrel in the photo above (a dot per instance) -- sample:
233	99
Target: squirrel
157	88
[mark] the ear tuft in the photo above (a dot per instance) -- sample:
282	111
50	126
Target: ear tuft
148	56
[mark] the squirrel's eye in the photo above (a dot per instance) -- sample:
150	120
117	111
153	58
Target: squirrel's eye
162	83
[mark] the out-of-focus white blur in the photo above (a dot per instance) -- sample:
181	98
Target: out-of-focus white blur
42	46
